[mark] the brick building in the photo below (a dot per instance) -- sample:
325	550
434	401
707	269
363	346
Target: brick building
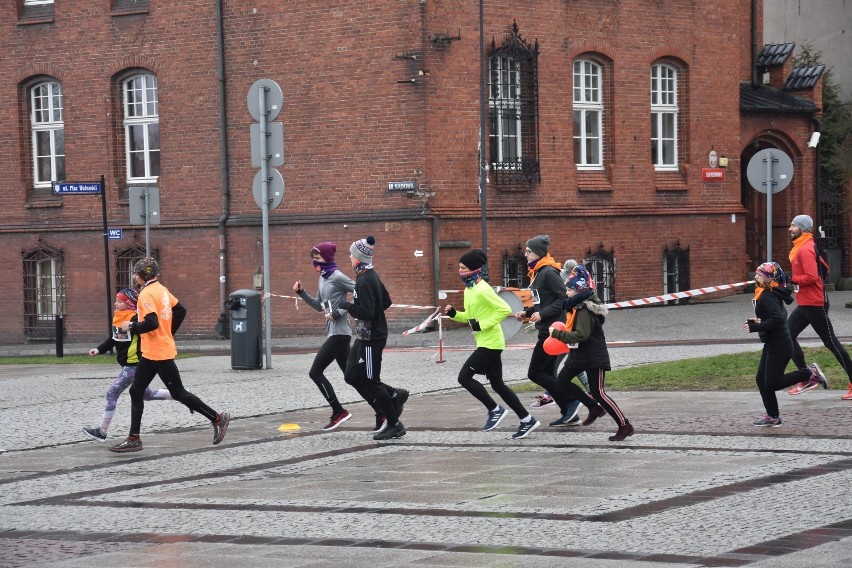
600	117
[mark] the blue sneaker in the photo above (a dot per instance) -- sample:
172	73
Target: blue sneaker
525	428
495	417
572	413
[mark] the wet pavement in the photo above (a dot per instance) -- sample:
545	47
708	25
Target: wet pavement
697	485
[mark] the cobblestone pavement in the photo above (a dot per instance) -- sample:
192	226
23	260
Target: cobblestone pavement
697	485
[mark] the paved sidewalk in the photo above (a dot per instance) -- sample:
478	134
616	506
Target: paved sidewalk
697	485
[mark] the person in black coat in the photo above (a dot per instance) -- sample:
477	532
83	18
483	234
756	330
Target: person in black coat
770	323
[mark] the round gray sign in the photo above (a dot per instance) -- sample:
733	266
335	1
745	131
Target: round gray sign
274	191
781	170
274	99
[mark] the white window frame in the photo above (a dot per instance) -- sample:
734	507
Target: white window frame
142	111
664	109
587	88
46	117
505	101
48	289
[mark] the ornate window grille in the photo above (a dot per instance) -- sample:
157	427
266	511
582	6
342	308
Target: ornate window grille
515	269
513	113
676	271
44	291
141	128
664	114
601	265
48	133
124	260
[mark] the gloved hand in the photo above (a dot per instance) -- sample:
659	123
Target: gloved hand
450	310
559	334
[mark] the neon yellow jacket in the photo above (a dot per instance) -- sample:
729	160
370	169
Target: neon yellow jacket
483	304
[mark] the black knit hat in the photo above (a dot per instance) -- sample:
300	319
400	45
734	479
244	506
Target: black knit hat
474	259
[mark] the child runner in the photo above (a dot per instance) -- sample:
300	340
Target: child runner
127	354
770	323
483	311
331	290
364	366
589	355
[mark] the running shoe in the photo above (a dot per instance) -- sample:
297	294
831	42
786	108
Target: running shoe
220	427
543	400
848	395
525	428
337	419
816	372
495	417
575	422
128	445
395	431
768	421
399	400
572	411
381	424
95	434
798	389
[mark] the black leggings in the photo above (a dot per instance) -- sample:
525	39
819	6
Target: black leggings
770	373
363	373
146	370
596	389
542	371
335	348
817	318
487	362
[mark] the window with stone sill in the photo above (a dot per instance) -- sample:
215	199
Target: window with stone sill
44	291
47	133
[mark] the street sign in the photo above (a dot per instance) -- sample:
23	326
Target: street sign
136	200
274	144
779	166
274	99
275	189
114	234
77	188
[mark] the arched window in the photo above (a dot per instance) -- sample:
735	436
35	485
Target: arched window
48	133
141	128
44	291
588	114
664	117
601	265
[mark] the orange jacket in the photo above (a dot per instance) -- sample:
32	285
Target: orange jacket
805	274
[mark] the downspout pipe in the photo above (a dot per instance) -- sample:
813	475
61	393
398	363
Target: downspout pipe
817	176
223	327
754	42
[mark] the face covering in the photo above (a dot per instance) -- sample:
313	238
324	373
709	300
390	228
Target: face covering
469	277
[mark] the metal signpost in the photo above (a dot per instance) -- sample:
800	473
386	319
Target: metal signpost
92	188
769	171
145	210
265	99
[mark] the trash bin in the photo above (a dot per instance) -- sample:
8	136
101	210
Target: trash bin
246	333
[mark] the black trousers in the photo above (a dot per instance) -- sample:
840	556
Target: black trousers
817	318
488	362
168	372
770	373
363	373
335	348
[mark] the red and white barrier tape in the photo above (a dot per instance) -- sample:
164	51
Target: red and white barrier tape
425	324
674	296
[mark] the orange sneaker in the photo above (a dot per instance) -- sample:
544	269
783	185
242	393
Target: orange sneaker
848	395
798	389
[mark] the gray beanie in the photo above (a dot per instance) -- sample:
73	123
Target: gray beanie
567	267
539	244
362	249
804	222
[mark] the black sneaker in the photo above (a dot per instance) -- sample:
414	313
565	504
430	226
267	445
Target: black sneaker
95	434
220	427
572	413
399	400
128	445
395	431
525	428
495	417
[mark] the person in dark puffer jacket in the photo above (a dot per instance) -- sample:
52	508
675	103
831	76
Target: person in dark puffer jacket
590	355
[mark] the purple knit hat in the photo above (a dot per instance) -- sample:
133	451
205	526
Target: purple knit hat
326	250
